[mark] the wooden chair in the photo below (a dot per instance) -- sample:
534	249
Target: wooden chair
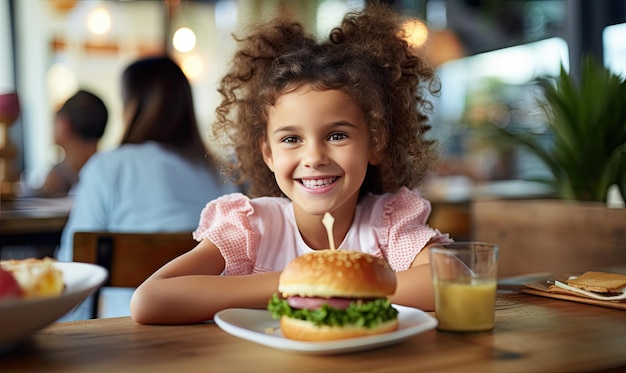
130	258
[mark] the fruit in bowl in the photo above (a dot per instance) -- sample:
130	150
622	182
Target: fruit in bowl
9	287
36	292
30	278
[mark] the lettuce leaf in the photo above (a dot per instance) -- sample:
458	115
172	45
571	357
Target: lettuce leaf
366	314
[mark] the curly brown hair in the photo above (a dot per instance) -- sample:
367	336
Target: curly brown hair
368	59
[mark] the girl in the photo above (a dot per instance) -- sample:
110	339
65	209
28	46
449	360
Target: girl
317	127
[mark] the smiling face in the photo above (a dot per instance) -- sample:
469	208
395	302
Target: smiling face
318	148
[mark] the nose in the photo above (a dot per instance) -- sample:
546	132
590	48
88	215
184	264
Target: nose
315	155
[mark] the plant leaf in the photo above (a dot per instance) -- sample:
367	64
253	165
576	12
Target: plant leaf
587	119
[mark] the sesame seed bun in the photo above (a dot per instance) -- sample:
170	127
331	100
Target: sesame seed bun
338	273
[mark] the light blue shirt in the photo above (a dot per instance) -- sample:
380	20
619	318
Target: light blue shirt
139	188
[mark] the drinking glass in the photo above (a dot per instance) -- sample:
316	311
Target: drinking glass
464	280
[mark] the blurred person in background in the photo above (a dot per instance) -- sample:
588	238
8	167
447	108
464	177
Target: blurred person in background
157	180
78	126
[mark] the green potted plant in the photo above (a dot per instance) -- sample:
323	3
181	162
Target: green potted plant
587	121
586	154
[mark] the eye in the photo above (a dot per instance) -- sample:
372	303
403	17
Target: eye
337	136
290	140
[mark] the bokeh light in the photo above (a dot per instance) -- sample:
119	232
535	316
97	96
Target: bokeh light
99	21
184	40
192	66
415	33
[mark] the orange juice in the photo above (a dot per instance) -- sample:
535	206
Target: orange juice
465	307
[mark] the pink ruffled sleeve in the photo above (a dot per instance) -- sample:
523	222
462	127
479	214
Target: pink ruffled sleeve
403	232
225	222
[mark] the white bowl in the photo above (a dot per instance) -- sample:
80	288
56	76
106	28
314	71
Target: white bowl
20	318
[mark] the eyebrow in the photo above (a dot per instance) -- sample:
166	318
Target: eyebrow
334	125
287	128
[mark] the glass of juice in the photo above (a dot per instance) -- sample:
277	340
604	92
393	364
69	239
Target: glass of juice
464	280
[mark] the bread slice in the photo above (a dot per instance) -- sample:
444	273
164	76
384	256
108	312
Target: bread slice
600	282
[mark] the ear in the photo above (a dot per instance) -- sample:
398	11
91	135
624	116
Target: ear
267	154
62	129
373	159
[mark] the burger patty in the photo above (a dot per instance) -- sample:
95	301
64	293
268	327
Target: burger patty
313	303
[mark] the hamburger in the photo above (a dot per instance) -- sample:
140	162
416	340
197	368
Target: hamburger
335	294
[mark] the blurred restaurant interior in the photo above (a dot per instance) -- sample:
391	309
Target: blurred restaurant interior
491	58
487	53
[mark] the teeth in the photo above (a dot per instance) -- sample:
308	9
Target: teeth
318	183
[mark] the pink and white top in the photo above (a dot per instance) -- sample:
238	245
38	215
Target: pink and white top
260	235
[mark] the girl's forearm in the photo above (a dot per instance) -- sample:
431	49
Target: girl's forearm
415	288
196	298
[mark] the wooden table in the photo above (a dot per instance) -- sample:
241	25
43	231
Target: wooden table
532	334
37	222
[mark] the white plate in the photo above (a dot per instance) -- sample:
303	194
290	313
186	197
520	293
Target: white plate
258	326
22	317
